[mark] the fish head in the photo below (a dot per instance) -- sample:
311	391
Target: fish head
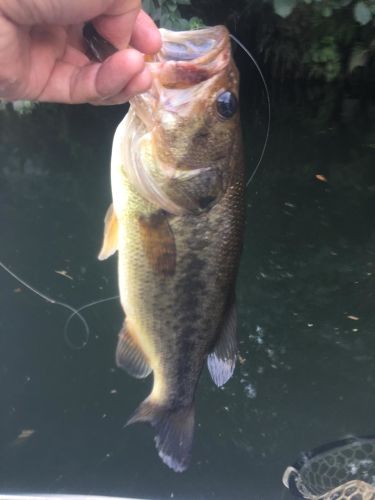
191	115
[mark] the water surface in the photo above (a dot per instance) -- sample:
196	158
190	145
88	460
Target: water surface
306	313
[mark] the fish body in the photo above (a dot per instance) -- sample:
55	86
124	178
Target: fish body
177	222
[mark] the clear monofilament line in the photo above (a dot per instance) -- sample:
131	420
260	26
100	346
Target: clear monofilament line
74	311
240	44
53	301
77	312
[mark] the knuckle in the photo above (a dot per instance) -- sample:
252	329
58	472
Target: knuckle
9	86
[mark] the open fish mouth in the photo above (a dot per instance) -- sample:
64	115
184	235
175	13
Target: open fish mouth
190	45
190	57
182	71
185	48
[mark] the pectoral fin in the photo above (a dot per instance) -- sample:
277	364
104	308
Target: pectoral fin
159	243
110	240
222	360
129	355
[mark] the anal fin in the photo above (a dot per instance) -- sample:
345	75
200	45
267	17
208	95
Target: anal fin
129	355
222	360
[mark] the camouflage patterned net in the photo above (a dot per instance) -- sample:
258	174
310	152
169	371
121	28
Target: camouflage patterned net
344	470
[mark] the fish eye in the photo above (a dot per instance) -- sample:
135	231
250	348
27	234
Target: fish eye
226	104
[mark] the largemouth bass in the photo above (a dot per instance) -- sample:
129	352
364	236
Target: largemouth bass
177	222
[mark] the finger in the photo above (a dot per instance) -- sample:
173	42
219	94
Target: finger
29	12
92	82
140	83
13	57
117	29
117	71
75	57
146	37
75	37
27	56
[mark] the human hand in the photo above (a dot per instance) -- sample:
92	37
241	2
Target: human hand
42	52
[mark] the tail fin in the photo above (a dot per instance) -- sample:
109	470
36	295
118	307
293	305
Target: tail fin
174	431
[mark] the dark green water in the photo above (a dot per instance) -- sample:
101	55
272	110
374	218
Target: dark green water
307	374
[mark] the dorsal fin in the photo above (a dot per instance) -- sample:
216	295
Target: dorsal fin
129	355
222	360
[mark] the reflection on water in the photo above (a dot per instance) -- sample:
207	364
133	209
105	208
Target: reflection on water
306	292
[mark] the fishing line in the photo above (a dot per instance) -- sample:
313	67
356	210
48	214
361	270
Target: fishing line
240	44
74	312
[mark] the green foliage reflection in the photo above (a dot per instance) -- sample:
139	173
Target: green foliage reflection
166	13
